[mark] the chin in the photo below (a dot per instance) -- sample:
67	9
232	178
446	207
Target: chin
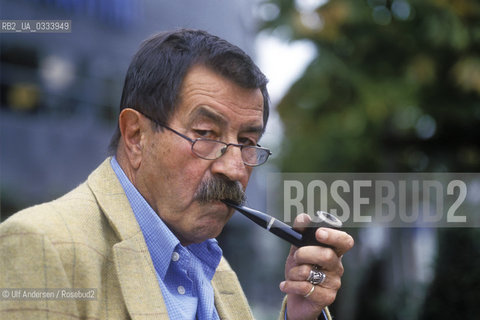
203	233
209	228
209	224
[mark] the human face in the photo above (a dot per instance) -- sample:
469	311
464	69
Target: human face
213	107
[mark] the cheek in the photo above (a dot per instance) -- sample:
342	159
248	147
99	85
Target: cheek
162	168
183	177
167	156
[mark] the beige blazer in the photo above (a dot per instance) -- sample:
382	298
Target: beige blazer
90	238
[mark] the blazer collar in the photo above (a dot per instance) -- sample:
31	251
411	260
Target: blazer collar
112	199
133	264
135	271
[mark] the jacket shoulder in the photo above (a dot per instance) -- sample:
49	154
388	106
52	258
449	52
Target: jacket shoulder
74	210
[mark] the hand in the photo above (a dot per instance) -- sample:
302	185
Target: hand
297	269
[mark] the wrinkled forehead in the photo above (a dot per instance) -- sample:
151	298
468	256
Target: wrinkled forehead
205	93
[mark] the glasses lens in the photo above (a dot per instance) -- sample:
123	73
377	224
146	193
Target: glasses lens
208	149
212	149
254	156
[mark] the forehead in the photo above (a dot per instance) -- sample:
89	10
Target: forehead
203	89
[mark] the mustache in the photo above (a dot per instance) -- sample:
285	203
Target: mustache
220	188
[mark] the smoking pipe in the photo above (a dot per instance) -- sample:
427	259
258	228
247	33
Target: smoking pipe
284	231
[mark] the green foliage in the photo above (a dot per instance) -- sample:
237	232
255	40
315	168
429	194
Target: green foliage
395	86
455	293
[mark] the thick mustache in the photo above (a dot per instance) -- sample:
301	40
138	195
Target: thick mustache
220	188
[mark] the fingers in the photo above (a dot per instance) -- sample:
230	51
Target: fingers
304	299
328	258
340	240
303	288
321	256
301	273
301	221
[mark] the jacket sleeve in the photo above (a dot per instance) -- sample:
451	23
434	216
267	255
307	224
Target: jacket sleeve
30	261
283	316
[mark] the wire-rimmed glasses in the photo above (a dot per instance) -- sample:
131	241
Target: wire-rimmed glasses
210	149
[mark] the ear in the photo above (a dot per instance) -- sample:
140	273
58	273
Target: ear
131	125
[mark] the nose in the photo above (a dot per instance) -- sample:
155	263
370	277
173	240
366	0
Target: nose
231	165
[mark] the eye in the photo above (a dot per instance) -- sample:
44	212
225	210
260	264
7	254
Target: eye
201	132
204	133
247	141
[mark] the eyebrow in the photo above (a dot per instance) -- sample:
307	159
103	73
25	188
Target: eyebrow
204	111
254	129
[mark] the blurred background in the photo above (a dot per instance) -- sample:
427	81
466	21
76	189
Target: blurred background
356	86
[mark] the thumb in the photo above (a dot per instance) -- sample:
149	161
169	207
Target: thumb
301	222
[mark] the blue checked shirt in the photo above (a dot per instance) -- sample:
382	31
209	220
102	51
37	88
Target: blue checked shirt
184	274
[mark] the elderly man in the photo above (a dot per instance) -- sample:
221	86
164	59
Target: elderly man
140	231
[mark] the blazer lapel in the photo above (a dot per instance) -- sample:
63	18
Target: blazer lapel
138	280
230	300
133	264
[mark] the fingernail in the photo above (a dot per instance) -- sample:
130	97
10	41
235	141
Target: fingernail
282	285
322	234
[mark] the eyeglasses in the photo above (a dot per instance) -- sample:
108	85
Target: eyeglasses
209	149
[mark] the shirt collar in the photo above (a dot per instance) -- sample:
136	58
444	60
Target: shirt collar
161	242
209	254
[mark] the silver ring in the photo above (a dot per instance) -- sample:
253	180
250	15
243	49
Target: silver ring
310	292
316	276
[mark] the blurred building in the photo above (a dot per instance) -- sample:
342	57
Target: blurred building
60	95
60	91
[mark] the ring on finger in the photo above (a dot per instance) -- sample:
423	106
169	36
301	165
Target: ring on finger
316	276
310	292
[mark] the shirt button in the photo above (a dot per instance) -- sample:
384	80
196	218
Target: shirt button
181	290
175	256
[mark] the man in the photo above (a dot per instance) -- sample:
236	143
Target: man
141	229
